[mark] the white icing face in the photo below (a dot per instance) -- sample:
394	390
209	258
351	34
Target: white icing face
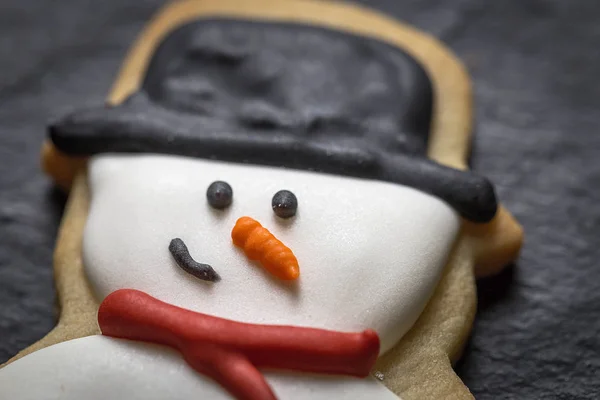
370	252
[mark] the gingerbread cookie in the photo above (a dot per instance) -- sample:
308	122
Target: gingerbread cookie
274	203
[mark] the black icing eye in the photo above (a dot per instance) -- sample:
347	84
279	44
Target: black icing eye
219	195
284	204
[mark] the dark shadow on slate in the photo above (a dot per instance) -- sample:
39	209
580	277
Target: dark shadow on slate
493	289
58	200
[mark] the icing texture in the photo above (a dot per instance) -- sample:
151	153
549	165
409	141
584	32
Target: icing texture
284	204
219	195
238	91
182	257
366	262
230	352
260	244
100	368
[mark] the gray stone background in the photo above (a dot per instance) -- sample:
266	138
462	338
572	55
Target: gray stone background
534	64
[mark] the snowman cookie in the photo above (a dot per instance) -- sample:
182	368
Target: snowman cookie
273	204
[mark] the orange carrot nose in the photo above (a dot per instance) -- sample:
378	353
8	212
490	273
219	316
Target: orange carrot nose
261	245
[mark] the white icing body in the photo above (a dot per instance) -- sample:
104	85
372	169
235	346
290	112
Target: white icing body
370	255
101	368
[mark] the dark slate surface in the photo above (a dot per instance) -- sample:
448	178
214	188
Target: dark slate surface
534	64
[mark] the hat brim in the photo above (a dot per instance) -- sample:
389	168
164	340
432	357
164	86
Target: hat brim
139	126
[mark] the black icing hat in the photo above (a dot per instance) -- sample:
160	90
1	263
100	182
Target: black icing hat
282	95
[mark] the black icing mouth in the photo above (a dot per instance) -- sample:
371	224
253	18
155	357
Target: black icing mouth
184	260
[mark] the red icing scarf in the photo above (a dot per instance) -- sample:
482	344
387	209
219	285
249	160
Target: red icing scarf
231	352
